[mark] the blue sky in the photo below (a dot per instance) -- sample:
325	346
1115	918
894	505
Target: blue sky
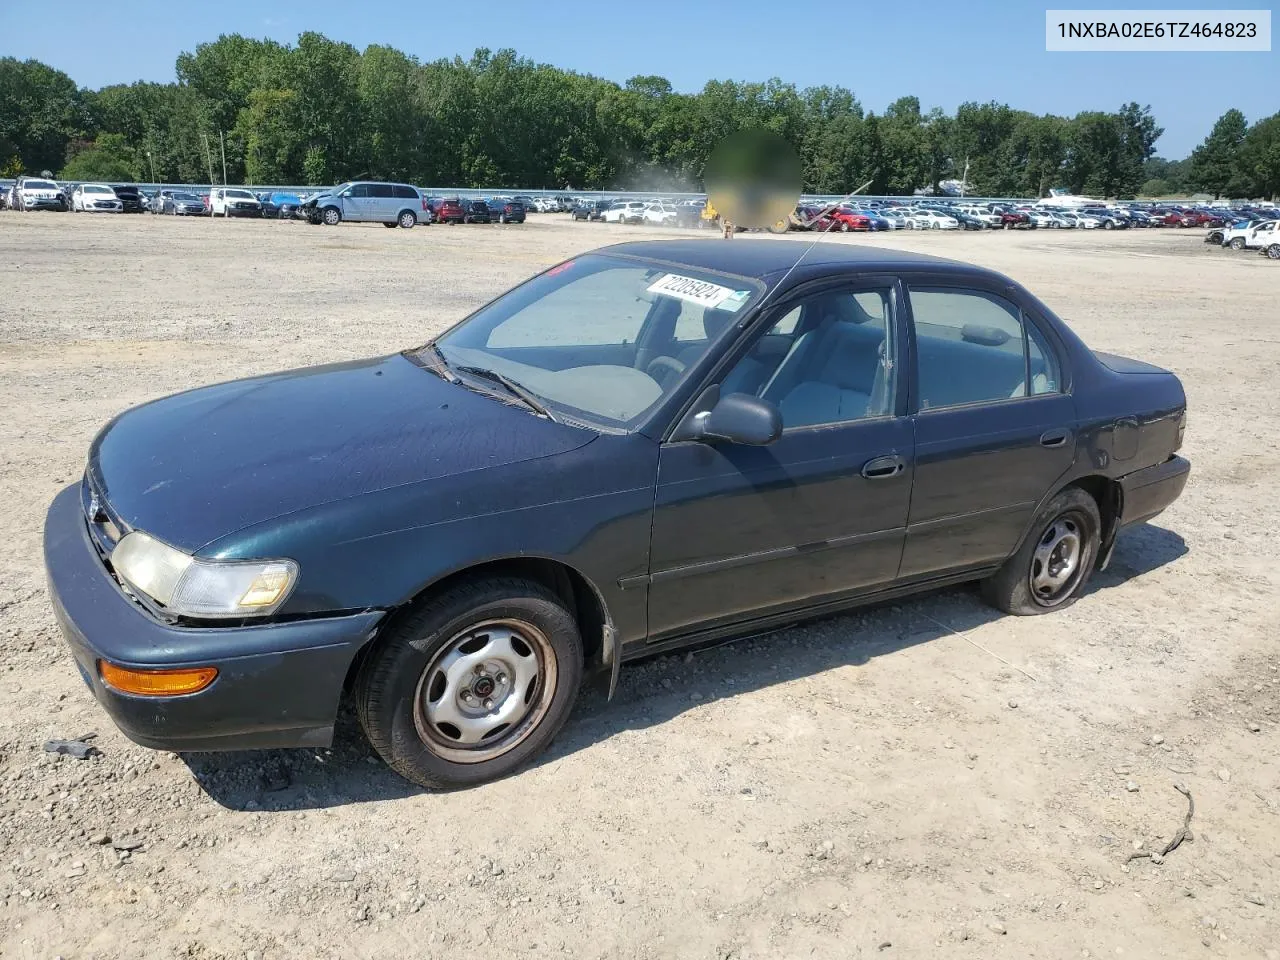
944	53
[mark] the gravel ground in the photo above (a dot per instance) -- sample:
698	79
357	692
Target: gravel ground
922	779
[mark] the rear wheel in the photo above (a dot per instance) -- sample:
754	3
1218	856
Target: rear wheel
472	684
407	219
1052	566
1273	251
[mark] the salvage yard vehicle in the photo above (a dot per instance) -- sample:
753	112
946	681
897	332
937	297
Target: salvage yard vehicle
1250	235
395	204
646	447
179	203
624	211
95	198
131	199
234	202
30	193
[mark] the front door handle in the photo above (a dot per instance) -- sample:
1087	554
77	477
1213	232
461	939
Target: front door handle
882	468
1055	438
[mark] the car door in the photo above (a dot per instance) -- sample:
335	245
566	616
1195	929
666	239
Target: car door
356	202
741	532
994	425
382	202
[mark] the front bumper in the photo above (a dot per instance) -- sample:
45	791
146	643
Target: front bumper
1147	492
278	684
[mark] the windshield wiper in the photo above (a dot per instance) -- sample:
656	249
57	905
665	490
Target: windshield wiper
515	388
437	364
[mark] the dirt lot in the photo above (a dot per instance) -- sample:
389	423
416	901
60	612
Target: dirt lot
926	779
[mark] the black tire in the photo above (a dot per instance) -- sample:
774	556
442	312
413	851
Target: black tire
1237	243
1108	225
1010	588
1273	251
389	685
407	220
331	216
390	226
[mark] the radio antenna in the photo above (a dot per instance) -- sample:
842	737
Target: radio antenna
821	233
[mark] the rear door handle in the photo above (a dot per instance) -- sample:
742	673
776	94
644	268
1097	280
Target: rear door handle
882	468
1054	438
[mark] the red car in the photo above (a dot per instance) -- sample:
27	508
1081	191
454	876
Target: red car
1014	218
447	210
1183	218
846	219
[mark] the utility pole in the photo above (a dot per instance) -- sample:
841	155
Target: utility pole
223	143
208	157
152	161
964	178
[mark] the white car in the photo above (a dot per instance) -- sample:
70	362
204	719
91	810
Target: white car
934	220
95	198
631	211
983	214
1043	218
234	202
1253	237
895	218
912	218
1081	221
660	214
33	194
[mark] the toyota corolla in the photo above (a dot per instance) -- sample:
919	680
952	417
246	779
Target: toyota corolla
649	446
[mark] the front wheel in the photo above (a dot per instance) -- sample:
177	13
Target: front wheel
332	216
1237	243
1052	566
472	684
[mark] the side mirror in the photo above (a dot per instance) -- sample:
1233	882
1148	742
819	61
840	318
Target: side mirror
741	418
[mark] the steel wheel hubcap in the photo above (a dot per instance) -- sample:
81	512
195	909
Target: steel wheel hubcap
485	691
1057	561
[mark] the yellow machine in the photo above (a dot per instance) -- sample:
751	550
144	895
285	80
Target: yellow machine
710	218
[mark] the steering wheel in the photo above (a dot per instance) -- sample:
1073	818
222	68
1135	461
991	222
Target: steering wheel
665	369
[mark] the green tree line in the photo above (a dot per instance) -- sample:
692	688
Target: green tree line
320	111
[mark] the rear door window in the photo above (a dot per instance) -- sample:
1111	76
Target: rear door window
976	347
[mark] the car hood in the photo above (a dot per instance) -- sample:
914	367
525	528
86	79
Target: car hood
199	465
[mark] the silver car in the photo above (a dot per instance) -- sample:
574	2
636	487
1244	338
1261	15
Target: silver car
391	204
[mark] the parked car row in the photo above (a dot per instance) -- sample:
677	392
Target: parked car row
392	204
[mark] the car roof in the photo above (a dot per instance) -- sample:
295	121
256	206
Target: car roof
764	259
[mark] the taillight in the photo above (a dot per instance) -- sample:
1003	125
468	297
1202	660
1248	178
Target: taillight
424	204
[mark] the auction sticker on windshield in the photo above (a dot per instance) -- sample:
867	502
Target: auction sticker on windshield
708	295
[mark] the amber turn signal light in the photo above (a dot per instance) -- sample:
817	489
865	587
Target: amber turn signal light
156	683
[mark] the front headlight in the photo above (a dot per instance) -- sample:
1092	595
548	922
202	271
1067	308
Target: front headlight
191	587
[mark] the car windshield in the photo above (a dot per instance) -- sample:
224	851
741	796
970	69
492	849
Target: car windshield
586	337
186	197
96	189
39	185
240	195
